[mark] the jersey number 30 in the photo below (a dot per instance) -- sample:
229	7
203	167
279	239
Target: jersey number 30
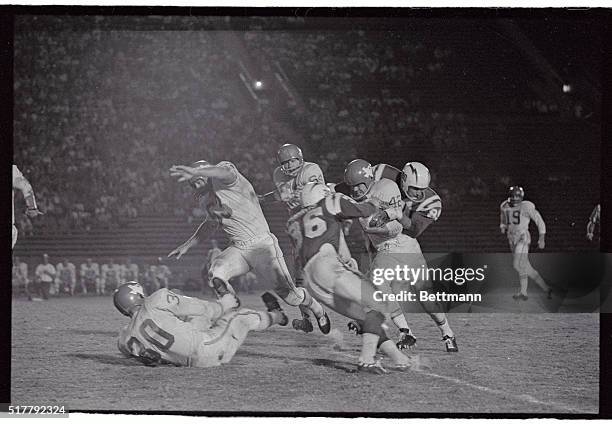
158	337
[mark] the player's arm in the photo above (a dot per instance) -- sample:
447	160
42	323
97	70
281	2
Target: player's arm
389	229
415	226
345	208
270	197
204	230
341	188
389	172
22	184
539	221
503	221
185	306
225	174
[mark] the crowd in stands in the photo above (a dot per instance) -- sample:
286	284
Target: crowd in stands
64	278
100	115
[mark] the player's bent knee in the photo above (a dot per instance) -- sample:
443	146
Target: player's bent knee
293	297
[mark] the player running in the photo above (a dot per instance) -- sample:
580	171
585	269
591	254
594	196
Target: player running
167	328
392	232
22	184
515	216
231	203
289	178
317	233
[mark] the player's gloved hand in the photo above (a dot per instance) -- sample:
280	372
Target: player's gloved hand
181	250
379	219
503	230
541	242
589	236
33	212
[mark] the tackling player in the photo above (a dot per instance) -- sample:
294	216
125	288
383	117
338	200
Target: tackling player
167	328
393	231
317	233
289	178
233	204
22	184
515	216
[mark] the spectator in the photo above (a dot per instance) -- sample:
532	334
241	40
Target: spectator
45	277
66	277
90	276
20	277
161	273
111	273
129	271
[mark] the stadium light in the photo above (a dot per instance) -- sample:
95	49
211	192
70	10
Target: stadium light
258	85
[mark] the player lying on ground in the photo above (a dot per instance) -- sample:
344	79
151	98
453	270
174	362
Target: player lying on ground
168	328
22	184
231	203
392	232
289	178
317	233
515	216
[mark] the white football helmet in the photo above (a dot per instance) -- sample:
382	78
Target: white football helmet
415	174
313	192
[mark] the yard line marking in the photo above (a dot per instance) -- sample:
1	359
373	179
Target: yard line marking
525	398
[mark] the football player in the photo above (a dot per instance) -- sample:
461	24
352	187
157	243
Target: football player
515	216
394	241
235	207
317	233
289	177
593	222
22	184
168	328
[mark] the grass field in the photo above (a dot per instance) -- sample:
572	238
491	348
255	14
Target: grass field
64	352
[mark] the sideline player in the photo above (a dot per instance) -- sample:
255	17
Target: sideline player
233	204
22	184
515	216
593	222
167	328
394	242
317	232
289	178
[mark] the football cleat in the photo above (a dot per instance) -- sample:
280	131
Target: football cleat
272	305
450	343
355	327
519	296
407	339
372	368
302	325
324	323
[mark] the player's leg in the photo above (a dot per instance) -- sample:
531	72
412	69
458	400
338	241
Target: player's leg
220	343
519	263
389	260
535	275
268	263
228	264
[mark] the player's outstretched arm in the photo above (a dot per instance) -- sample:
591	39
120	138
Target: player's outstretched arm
414	227
204	230
269	197
222	173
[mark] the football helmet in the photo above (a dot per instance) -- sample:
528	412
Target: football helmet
127	296
285	154
515	195
312	193
359	176
415	178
